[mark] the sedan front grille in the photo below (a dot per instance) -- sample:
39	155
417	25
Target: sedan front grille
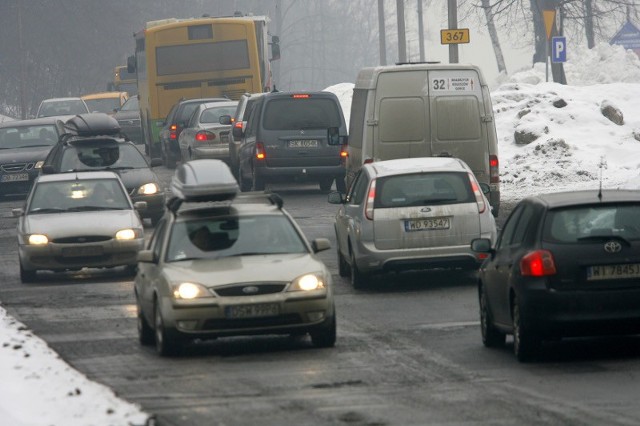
16	167
81	239
231	324
248	289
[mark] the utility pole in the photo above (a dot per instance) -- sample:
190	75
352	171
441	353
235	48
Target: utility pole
420	31
402	38
453	24
382	33
23	77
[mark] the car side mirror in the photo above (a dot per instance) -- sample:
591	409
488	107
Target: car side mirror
335	197
48	169
225	119
146	256
17	212
334	138
140	205
155	162
320	244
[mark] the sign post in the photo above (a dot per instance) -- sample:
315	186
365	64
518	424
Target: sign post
549	17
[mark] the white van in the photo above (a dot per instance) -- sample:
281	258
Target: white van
424	110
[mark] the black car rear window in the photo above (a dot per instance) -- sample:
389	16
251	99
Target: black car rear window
592	223
420	189
303	113
88	155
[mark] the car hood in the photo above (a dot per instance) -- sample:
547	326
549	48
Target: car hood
133	178
243	269
22	155
127	115
57	225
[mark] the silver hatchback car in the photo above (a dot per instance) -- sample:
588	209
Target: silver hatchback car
409	214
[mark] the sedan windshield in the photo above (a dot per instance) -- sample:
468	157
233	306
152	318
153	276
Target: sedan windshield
78	195
213	238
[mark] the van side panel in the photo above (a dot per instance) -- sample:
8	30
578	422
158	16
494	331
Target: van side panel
401	116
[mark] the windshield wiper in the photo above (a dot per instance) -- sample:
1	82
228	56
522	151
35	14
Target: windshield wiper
91	208
119	168
48	210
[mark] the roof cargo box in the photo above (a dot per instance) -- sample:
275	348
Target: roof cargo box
204	180
93	124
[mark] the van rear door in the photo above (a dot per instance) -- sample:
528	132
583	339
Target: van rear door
458	123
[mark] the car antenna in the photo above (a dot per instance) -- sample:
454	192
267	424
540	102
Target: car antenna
601	165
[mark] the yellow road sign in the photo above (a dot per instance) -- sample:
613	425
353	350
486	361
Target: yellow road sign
549	16
459	35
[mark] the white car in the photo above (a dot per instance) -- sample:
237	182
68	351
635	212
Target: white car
64	107
77	220
408	214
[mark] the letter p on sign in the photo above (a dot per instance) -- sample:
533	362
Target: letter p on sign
559	49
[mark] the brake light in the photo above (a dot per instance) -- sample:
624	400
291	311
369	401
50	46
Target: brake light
204	136
475	187
238	124
260	154
538	263
173	131
368	160
371	198
343	152
494	170
300	96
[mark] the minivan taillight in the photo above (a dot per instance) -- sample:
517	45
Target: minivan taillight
260	154
371	198
538	263
173	131
477	192
494	169
238	124
204	136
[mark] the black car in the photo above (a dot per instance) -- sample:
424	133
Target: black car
176	120
565	265
93	142
24	144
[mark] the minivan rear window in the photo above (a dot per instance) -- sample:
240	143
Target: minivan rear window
305	113
420	189
592	223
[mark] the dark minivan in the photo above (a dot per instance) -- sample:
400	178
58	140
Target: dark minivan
286	139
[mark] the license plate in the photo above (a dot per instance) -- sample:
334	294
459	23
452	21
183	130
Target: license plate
427	224
16	177
252	311
82	251
304	143
608	272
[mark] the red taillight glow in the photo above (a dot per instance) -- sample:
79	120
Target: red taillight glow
478	193
260	154
368	160
494	169
238	124
538	263
371	198
173	131
300	96
343	152
204	136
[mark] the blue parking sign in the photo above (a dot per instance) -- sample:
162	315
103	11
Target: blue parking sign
558	49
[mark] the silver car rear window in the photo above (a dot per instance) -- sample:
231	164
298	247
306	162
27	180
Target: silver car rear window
592	223
419	189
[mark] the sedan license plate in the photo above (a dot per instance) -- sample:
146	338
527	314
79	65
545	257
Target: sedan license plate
303	143
611	272
82	251
427	224
17	177
252	311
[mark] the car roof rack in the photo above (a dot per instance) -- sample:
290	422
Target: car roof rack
92	124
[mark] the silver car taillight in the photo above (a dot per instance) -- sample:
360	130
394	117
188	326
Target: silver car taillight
371	198
475	186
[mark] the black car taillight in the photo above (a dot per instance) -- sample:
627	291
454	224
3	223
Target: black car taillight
538	263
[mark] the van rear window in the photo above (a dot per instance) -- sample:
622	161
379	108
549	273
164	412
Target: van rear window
421	189
297	114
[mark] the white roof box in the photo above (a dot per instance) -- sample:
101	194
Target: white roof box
204	180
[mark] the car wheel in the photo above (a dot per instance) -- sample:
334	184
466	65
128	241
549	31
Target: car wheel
166	343
357	278
245	185
325	184
168	160
341	186
145	332
27	276
131	270
491	336
343	266
525	342
258	182
326	336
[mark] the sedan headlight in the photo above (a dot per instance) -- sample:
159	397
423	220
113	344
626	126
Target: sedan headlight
148	189
308	282
38	164
38	239
127	234
188	291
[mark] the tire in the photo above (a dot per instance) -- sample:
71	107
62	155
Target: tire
258	183
326	336
341	185
167	159
27	276
145	332
343	266
166	343
358	279
491	336
325	184
242	182
131	270
525	343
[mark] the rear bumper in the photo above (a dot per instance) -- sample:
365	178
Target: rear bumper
311	172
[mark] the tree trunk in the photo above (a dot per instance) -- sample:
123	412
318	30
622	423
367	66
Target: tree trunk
539	33
588	23
495	41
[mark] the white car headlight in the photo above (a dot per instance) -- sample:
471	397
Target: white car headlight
148	189
188	290
39	164
308	282
38	239
127	234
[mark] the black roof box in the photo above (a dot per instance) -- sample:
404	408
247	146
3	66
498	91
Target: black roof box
204	180
92	124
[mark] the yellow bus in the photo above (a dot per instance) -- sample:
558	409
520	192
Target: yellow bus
123	81
198	58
